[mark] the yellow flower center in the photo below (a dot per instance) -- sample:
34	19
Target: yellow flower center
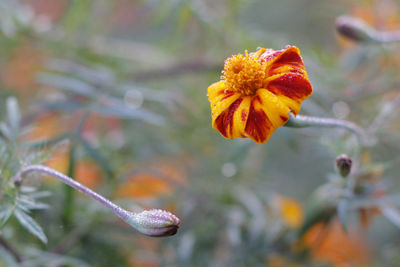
244	74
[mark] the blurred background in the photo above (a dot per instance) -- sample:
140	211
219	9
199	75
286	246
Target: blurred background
116	92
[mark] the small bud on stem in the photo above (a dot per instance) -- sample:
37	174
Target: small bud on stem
355	29
155	222
359	31
343	165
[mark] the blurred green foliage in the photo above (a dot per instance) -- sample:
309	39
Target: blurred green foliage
121	85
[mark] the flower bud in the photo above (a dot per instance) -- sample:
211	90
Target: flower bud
155	222
343	165
355	29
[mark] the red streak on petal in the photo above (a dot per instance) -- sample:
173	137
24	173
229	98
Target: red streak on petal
258	123
297	71
291	85
289	57
227	94
225	120
283	118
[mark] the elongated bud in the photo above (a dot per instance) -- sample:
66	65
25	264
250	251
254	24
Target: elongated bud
154	222
343	165
355	29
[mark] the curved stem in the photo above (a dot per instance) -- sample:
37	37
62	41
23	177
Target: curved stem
149	222
306	121
120	212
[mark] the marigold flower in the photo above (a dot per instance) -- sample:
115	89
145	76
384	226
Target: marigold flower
257	92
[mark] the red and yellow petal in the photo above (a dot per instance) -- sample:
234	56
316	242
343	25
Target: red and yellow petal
255	117
232	122
287	78
220	98
276	110
266	113
291	89
285	61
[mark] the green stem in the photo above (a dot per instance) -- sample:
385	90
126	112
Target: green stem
306	121
68	208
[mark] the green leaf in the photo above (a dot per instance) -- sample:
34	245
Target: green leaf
6	131
5	214
13	114
67	83
31	225
27	203
342	213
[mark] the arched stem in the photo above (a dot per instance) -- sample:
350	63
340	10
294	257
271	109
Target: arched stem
306	121
120	212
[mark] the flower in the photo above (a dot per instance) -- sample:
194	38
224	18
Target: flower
328	243
257	92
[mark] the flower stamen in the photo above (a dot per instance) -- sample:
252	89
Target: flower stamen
244	74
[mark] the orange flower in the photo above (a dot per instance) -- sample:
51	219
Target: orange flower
330	244
257	92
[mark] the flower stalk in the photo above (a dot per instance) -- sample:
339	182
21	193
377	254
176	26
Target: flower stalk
149	222
307	121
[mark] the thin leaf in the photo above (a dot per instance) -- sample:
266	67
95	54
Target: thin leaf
13	114
31	225
5	130
27	203
27	189
40	194
391	214
125	112
67	83
49	142
5	214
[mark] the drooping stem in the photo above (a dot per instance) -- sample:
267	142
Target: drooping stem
307	121
120	212
153	222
